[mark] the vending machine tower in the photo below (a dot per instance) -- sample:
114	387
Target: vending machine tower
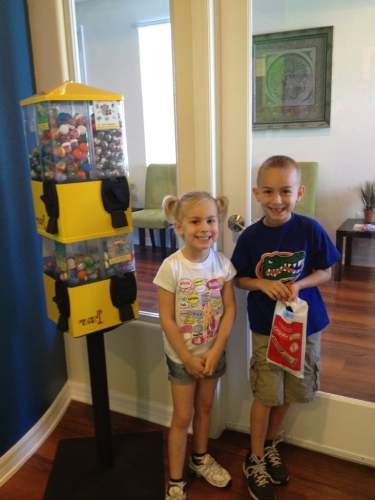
75	139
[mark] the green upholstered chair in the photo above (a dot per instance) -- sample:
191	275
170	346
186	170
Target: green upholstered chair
309	171
160	181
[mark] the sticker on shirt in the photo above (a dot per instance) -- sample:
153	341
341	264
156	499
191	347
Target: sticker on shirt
203	330
280	266
185	285
209	320
200	285
200	308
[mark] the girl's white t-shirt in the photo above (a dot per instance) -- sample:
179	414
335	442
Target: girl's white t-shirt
197	287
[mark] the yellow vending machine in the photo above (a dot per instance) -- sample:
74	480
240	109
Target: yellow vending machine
76	146
77	155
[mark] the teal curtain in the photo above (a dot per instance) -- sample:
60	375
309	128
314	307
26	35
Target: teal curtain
32	360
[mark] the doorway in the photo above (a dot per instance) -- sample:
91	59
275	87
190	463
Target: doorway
230	145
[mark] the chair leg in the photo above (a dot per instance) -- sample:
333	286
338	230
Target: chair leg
152	236
173	239
142	236
163	245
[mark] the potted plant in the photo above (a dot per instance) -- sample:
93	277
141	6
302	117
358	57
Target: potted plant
368	200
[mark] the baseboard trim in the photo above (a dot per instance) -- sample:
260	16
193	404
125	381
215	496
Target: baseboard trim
330	450
160	414
151	411
16	456
313	446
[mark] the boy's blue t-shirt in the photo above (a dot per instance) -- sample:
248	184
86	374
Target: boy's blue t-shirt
289	253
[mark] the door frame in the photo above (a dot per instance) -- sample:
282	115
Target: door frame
329	424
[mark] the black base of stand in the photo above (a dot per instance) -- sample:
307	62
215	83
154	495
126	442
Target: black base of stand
121	467
137	472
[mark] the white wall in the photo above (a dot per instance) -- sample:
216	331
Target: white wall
345	151
112	60
136	369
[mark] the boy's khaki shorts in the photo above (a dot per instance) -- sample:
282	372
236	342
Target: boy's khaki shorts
274	386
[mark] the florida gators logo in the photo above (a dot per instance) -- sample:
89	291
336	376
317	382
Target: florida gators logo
280	266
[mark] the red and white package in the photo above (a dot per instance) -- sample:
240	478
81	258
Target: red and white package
287	343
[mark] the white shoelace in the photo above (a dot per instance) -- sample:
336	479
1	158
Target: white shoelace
259	472
272	453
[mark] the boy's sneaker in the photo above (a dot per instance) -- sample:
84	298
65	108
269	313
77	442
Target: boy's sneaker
211	471
275	467
259	482
176	491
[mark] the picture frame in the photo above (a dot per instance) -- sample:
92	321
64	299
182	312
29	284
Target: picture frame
292	73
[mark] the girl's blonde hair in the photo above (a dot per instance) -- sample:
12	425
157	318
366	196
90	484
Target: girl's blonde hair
174	207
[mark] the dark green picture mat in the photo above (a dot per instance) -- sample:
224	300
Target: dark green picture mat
292	79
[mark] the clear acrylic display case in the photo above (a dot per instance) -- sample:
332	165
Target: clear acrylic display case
118	255
57	141
90	260
75	263
75	140
107	125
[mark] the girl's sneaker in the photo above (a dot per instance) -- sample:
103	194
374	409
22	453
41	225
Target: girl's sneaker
211	471
176	491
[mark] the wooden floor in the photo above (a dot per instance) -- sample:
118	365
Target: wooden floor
348	368
348	343
313	476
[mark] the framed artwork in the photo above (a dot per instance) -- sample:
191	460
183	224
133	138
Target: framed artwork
292	79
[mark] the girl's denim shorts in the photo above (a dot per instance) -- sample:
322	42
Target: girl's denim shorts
178	375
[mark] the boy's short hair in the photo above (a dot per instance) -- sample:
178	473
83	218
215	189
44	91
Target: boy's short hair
278	161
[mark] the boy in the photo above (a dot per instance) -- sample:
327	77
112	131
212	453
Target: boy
280	257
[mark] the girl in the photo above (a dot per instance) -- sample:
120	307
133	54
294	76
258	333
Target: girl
197	310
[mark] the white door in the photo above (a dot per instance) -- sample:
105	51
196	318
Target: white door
212	44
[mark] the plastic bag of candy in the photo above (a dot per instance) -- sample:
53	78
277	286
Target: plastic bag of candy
287	342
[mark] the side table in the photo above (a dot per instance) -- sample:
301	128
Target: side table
346	231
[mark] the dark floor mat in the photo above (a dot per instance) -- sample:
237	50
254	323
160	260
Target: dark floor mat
137	472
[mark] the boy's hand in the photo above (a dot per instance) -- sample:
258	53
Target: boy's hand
211	359
195	366
275	290
294	289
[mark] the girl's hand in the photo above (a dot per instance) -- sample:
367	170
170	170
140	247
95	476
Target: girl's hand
211	359
195	366
275	290
294	289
